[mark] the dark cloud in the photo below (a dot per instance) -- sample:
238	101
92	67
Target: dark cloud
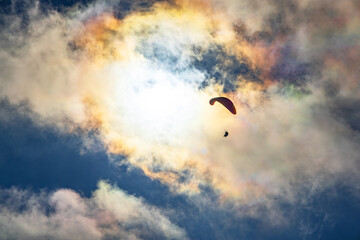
120	9
290	69
346	109
126	7
224	68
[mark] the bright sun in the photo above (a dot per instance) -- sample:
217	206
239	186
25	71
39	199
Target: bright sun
158	105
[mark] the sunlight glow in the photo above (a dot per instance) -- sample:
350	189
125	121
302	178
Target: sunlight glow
158	104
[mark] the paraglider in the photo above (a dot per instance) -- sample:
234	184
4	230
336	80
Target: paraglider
226	103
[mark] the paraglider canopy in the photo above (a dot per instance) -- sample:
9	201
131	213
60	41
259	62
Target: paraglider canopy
224	101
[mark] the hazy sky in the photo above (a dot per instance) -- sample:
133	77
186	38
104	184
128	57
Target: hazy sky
107	131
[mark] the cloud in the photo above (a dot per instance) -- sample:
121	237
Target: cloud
143	82
64	214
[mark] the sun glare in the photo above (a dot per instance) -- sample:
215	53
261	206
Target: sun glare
157	104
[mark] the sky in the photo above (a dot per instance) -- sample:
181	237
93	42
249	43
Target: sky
107	131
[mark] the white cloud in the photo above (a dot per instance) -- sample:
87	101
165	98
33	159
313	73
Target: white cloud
64	214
